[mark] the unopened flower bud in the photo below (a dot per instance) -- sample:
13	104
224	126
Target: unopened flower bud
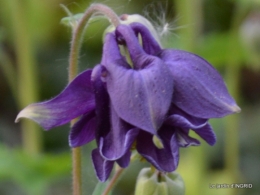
156	183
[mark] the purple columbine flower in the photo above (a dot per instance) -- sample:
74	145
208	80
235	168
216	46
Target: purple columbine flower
159	97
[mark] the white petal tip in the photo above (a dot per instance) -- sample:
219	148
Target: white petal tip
236	109
30	112
25	113
17	119
22	114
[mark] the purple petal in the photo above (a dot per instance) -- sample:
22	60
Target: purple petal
102	167
119	139
102	103
183	120
83	131
165	159
150	45
199	89
180	121
124	160
111	52
140	97
76	99
207	134
114	136
126	35
184	140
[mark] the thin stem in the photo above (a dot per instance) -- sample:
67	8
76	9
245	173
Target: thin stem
76	156
79	31
113	181
77	37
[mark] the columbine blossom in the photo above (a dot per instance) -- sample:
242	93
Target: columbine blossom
162	94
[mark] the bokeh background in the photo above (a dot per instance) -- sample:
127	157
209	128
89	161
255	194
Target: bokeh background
34	48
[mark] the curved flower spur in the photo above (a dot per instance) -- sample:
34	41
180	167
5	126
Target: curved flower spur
153	100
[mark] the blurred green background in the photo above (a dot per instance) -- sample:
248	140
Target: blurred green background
34	48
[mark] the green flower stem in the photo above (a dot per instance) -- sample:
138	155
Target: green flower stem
77	36
76	158
27	82
113	181
79	32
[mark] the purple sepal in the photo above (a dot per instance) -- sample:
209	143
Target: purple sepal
199	89
207	134
179	118
182	122
75	100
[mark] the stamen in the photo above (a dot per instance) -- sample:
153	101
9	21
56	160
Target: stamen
157	142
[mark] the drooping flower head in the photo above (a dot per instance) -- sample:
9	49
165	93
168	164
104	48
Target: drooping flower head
148	96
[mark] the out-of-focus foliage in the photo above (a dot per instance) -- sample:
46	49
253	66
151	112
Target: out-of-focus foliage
216	47
33	175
